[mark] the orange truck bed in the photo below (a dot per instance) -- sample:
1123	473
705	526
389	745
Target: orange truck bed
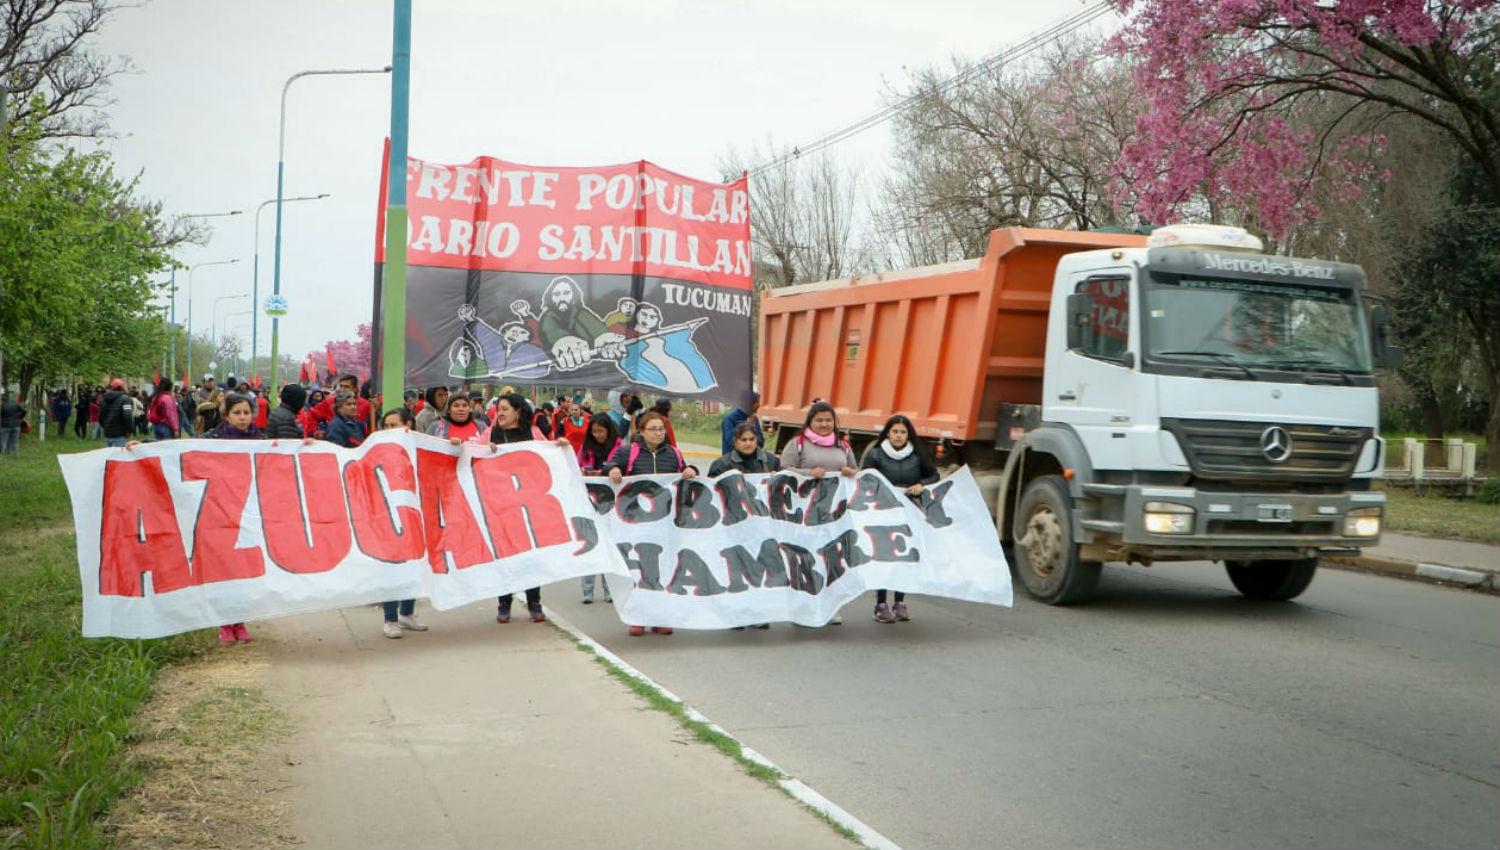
944	344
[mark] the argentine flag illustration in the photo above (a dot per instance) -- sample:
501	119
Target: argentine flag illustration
669	360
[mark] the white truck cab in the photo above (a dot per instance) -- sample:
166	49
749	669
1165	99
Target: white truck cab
1200	401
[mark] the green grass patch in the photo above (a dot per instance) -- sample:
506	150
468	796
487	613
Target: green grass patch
1438	515
66	702
34	493
709	735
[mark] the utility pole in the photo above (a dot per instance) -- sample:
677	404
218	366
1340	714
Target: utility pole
393	299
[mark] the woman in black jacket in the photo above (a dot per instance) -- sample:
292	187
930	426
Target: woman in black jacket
745	454
902	459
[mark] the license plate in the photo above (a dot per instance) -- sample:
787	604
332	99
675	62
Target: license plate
1275	513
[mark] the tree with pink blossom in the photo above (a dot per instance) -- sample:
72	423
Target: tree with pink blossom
1272	105
349	356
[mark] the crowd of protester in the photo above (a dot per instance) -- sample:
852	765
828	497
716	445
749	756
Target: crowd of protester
617	438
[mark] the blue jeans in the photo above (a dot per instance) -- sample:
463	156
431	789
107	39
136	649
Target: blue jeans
406	607
118	442
162	430
10	440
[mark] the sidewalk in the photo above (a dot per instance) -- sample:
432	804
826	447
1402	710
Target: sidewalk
1462	562
477	735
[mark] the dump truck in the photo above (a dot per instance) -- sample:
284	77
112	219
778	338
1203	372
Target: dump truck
1124	398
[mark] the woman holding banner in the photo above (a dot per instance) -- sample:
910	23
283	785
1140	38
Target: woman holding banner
457	423
236	423
902	459
513	425
649	453
745	454
819	450
598	445
399	615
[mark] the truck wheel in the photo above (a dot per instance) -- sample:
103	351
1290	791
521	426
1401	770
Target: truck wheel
1046	560
1274	580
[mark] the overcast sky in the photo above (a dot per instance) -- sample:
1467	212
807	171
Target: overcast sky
566	82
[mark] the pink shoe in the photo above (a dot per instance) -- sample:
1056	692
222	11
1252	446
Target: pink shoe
661	630
226	635
242	634
636	631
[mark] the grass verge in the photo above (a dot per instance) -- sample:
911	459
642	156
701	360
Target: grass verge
1437	515
66	702
709	735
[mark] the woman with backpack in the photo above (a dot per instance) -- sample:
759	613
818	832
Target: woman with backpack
599	444
819	450
513	425
649	453
903	460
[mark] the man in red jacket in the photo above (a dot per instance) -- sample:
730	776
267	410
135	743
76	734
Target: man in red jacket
323	413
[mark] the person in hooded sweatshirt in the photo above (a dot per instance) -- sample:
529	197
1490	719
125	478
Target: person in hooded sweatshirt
619	410
648	453
284	423
116	418
745	454
903	460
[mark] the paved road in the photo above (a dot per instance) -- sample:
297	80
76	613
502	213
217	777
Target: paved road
1169	713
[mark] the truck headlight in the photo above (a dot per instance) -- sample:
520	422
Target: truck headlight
1169	518
1363	522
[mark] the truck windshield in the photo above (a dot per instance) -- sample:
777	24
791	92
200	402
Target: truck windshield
1254	325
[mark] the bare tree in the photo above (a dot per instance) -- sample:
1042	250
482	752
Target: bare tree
803	217
47	68
1031	144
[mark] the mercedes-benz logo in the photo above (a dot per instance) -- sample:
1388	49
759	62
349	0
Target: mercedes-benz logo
1276	444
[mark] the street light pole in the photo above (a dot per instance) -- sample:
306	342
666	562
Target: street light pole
192	269
255	275
280	191
173	318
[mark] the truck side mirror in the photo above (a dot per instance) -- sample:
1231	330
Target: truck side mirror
1387	356
1080	318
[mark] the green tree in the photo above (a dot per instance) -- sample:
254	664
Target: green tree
76	254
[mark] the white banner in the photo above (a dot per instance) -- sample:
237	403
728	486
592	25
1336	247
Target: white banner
744	549
187	534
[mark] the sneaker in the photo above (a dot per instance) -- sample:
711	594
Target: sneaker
226	635
636	631
883	613
537	616
242	634
901	612
407	621
762	625
736	628
661	630
502	617
836	621
589	600
608	600
392	630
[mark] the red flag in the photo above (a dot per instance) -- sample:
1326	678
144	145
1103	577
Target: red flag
333	370
185	383
155	378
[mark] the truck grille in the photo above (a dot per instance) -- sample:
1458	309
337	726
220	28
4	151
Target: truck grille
1226	449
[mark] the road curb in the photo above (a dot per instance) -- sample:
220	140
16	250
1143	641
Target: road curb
794	787
1487	581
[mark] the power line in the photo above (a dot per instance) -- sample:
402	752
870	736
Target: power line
1029	45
